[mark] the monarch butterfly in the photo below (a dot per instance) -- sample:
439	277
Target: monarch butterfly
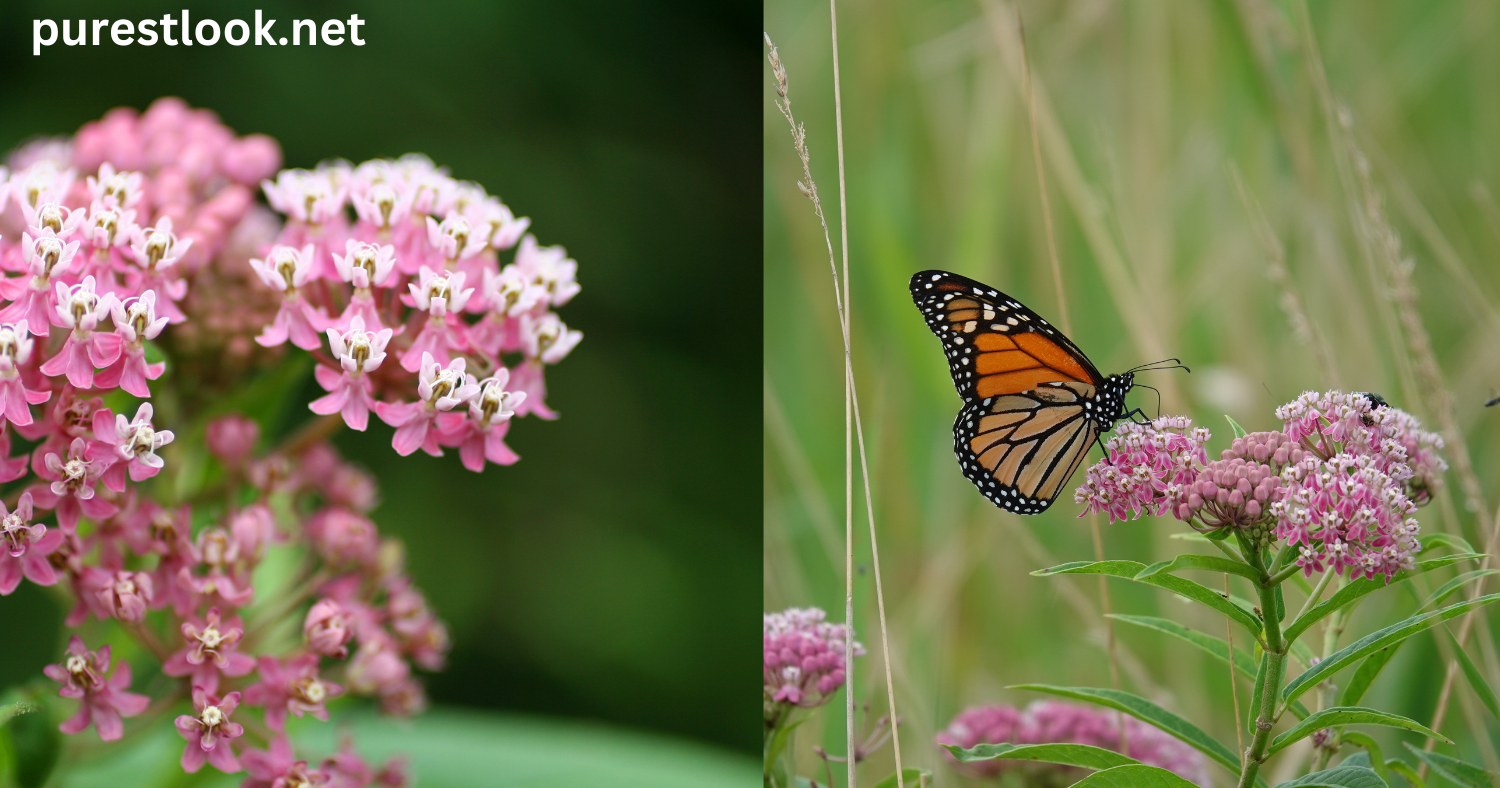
1033	402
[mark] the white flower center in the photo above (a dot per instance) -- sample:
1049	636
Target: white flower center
77	664
210	638
212	716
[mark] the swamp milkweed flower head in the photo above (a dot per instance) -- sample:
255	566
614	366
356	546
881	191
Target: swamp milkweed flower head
1050	722
134	256
804	660
1144	466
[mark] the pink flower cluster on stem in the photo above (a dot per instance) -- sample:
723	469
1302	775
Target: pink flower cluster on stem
396	256
804	660
1341	481
1054	722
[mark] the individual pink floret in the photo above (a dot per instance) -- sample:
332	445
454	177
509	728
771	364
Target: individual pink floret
135	323
292	687
46	256
71	491
24	548
287	269
440	389
134	443
327	629
103	701
274	767
209	732
79	309
481	437
358	352
15	350
443	298
156	250
210	650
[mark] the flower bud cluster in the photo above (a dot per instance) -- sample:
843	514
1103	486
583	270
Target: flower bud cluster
1055	722
804	659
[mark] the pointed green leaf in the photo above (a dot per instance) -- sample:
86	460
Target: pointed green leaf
1370	756
1357	589
1256	692
1239	432
1177	585
1208	563
1399	767
1434	541
911	777
1365	675
1338	777
1080	755
1375	641
1466	774
1146	711
1476	679
1446	590
1136	775
1349	715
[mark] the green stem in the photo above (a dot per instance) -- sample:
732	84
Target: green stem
1317	593
1284	574
1274	660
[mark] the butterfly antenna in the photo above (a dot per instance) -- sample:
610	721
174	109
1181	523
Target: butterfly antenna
1155	366
1158	396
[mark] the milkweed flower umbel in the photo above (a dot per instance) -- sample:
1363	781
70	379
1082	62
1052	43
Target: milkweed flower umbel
804	660
1054	722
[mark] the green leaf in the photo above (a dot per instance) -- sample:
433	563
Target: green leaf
1370	756
1434	541
1177	585
1239	432
1365	675
1189	536
1446	590
1466	774
1208	563
1215	647
1338	777
1349	715
1476	679
1137	775
779	740
1251	709
37	744
1375	641
1146	711
11	710
1399	767
1363	586
1081	755
912	779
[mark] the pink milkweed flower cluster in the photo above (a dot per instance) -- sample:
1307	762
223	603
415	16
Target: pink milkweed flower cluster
1143	463
804	660
1341	481
396	258
1050	722
134	258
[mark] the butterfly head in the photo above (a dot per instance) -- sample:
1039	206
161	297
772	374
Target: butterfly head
1109	405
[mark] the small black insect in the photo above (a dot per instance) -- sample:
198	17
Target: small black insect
1493	401
1376	402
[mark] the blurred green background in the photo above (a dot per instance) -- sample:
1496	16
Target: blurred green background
609	575
1145	111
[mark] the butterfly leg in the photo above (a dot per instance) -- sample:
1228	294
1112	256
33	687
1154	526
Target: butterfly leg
1133	414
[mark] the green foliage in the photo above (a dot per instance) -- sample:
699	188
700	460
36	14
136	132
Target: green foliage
1465	774
1449	588
1339	777
1146	711
1349	715
1370	756
35	745
1207	563
1375	641
911	778
1365	675
1081	755
1187	589
1476	679
1358	589
1136	775
1239	432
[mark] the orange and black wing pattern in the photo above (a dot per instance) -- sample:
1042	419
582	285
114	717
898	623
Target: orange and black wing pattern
1033	402
994	344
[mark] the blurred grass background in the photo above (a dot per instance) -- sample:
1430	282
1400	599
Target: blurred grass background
606	574
1145	110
